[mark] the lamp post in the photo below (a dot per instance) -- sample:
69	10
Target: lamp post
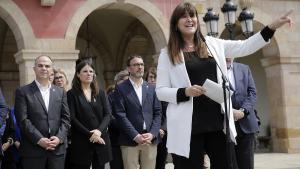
246	19
211	21
229	9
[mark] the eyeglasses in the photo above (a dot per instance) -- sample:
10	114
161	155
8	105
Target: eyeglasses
137	64
58	77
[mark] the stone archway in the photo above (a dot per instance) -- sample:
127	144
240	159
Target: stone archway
144	11
18	23
16	35
150	18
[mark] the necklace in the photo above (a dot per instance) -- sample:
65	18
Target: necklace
189	48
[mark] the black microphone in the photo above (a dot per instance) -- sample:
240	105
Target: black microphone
202	38
223	75
225	85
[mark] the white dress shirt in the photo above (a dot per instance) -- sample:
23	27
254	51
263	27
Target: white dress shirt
45	91
139	92
231	77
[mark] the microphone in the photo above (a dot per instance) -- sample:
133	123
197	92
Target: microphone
223	75
202	38
225	85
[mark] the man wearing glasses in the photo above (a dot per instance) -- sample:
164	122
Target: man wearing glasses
138	113
43	115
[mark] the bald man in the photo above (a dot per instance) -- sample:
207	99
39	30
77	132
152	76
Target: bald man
43	115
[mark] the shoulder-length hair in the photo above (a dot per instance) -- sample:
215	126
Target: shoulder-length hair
76	83
176	43
61	71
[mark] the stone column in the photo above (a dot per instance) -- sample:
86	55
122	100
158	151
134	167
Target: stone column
61	59
283	81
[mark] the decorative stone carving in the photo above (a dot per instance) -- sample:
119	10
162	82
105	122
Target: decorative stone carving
47	2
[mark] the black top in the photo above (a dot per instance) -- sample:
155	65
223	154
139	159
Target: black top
206	112
87	116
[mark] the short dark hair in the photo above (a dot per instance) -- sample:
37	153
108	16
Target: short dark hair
132	57
37	58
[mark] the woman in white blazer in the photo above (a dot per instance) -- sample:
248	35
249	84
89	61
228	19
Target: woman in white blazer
195	122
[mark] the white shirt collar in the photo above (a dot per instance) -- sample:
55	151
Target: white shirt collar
45	92
139	92
41	87
136	84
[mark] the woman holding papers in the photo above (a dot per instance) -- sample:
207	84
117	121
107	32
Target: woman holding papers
194	121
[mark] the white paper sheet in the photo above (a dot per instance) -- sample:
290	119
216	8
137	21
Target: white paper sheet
214	91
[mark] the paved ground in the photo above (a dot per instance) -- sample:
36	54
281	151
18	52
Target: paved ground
271	161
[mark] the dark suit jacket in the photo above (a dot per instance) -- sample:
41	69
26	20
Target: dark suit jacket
113	127
3	113
245	97
131	114
36	122
85	118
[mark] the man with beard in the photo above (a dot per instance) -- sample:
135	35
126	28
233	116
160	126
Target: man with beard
138	113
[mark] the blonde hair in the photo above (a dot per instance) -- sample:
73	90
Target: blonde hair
61	71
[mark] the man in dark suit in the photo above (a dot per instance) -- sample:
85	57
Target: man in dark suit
3	114
138	113
42	112
243	102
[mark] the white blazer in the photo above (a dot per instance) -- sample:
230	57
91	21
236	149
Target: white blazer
171	77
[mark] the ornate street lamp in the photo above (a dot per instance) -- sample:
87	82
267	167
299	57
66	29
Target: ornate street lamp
229	9
246	19
211	20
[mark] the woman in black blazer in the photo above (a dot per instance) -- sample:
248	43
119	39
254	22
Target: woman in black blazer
90	116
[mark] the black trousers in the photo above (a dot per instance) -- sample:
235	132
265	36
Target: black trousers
117	162
214	144
48	162
162	153
244	149
67	158
95	164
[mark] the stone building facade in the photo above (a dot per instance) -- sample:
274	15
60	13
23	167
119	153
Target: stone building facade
119	28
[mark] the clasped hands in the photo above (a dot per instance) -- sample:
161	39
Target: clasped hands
194	91
96	137
49	143
144	139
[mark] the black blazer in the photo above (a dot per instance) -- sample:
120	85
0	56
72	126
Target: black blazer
131	114
36	122
83	117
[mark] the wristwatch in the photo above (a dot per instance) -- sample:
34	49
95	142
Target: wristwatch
246	113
